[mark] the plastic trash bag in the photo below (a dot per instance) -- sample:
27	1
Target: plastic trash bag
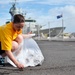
28	54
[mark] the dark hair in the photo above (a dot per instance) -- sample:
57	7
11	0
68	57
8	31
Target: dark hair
18	18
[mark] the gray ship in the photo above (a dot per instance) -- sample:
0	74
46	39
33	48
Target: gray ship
30	24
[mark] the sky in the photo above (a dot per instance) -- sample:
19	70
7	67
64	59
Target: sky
45	12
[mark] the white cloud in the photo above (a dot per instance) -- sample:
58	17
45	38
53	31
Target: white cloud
50	2
10	1
43	18
57	2
68	16
70	10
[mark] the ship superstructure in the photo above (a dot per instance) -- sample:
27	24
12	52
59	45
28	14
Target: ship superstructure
30	24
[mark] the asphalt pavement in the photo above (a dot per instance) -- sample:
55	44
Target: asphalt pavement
59	60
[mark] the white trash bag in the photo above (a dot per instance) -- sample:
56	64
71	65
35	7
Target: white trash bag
28	54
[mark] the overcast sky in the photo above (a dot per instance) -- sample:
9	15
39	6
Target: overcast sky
43	11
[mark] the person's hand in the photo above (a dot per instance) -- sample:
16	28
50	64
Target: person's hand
31	35
20	66
28	35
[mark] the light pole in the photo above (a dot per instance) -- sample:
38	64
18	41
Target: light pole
62	29
49	29
37	30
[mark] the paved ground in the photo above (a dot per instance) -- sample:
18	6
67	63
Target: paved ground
59	60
